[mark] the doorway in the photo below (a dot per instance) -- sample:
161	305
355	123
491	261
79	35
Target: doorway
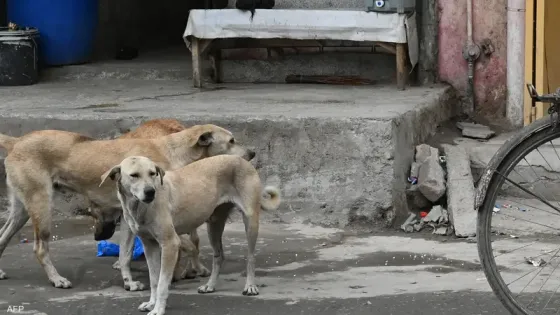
542	54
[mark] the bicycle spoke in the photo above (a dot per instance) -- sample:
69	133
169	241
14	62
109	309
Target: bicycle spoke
538	273
542	286
527	191
540	224
533	207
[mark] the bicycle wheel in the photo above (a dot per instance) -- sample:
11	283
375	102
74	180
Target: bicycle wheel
530	283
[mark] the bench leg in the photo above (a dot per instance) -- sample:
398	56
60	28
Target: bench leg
196	52
402	73
215	62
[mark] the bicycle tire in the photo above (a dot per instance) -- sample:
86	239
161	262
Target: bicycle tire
504	161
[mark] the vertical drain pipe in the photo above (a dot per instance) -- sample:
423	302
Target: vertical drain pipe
471	52
515	61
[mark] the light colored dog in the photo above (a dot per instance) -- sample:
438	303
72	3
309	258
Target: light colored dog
159	205
38	160
152	129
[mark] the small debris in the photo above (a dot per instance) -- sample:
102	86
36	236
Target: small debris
537	262
476	131
442	230
513	236
24	241
368	303
413	180
356	287
471	239
414	169
418	226
496	210
407	226
423	214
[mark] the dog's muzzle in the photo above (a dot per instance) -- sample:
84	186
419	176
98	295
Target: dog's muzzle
251	154
149	195
106	232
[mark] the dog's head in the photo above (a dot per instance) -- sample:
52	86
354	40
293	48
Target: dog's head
105	221
215	140
137	176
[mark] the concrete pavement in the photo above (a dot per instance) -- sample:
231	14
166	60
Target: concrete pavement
301	269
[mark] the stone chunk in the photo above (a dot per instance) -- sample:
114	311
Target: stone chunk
431	179
476	131
423	152
460	191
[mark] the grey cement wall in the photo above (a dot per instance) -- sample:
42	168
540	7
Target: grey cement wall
333	170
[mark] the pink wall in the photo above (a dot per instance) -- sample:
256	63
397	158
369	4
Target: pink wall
489	23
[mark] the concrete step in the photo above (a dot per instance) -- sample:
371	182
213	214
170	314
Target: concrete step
241	66
340	154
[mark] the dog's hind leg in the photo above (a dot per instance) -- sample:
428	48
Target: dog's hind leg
199	269
251	221
191	267
16	220
37	199
215	226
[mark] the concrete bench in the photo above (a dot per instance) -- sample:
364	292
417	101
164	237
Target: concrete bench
209	31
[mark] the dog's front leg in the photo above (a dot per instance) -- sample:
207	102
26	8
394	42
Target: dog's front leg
153	258
169	255
125	256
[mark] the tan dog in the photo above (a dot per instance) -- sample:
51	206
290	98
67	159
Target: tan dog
39	159
152	129
159	205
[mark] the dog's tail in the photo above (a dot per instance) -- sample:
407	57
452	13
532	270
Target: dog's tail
273	202
8	142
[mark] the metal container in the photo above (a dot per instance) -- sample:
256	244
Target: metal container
390	6
18	57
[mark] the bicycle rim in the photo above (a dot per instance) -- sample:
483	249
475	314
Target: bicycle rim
485	216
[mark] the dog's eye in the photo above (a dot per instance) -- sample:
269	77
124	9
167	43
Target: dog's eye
152	173
232	141
135	175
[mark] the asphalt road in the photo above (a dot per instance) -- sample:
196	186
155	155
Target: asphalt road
300	270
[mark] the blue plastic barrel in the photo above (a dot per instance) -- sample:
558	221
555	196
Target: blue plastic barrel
67	27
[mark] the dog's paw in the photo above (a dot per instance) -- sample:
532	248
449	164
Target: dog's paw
189	274
61	283
146	306
3	275
117	265
203	272
251	290
157	311
206	289
134	286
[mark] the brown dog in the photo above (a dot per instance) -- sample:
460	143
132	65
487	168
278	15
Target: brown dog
39	159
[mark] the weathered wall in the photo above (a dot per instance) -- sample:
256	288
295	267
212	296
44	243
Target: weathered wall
489	23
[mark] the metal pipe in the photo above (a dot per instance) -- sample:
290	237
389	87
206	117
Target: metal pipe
515	61
471	52
469	23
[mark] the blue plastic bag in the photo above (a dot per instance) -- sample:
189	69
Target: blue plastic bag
105	248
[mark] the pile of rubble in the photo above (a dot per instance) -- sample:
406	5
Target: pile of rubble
441	192
437	219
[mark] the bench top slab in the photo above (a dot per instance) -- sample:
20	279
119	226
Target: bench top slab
299	24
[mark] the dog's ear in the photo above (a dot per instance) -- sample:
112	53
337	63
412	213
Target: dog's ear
205	139
161	173
112	173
